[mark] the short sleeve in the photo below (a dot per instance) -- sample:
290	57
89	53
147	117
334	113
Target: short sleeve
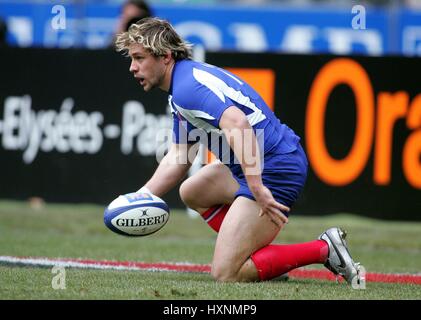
203	98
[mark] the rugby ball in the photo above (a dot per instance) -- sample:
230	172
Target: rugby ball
136	214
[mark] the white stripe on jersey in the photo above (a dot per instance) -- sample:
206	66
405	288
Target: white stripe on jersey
194	117
173	110
222	90
222	70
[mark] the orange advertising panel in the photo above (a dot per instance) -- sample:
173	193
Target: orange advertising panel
390	108
359	120
339	171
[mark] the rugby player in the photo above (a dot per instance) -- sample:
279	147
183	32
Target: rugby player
246	195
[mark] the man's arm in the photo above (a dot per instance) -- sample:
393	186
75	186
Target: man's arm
243	142
173	167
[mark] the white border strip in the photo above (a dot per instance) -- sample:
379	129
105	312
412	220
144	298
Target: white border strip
46	262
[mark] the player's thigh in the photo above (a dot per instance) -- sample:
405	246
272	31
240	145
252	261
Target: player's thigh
242	233
213	184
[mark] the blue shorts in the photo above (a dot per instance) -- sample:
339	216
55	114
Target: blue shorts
283	174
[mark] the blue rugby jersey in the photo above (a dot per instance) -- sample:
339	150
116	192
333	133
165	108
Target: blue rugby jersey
198	96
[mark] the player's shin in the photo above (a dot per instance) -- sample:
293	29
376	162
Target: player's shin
273	260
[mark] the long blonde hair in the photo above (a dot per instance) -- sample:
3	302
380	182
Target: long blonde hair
155	35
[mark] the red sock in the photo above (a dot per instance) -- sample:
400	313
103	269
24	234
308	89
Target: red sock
274	260
215	215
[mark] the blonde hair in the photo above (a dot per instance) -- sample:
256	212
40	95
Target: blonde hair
155	35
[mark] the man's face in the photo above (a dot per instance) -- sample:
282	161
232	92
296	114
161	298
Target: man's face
146	68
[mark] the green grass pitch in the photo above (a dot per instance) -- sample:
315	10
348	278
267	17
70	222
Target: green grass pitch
77	231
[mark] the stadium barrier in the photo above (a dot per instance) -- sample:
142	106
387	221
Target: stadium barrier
76	127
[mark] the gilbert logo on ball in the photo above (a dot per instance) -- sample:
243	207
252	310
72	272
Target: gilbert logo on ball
136	214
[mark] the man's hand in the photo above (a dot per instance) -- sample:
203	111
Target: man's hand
172	169
234	123
270	206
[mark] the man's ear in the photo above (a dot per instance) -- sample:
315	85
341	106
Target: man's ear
167	56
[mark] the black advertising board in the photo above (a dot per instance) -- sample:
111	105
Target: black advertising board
76	127
360	123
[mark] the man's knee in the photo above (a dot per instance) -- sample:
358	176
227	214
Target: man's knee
223	273
188	193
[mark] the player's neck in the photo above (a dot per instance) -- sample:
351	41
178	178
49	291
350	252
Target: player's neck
166	83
